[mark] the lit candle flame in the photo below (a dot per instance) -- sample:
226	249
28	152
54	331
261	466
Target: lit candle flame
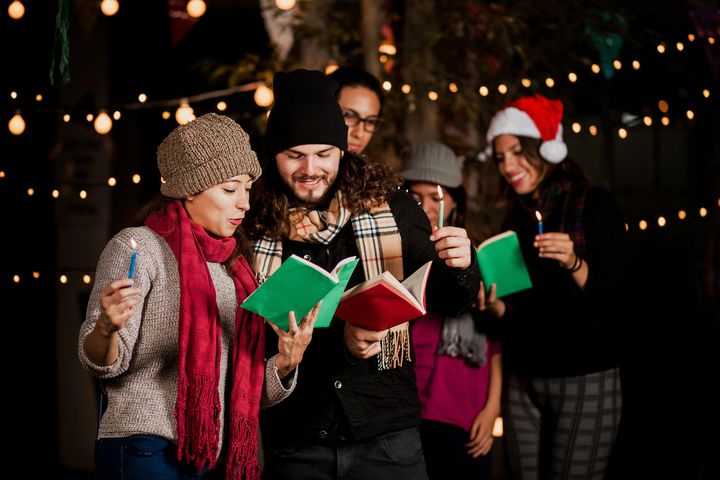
538	215
440	194
133	244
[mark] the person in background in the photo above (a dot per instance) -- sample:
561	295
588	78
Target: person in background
458	369
562	395
355	412
182	366
361	100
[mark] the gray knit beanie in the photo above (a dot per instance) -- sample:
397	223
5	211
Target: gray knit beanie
433	162
204	153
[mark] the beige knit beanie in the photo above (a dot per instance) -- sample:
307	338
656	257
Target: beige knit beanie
204	153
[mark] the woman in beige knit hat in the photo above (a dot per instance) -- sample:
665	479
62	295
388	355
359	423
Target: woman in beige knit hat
182	366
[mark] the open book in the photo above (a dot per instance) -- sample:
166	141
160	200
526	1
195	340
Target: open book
501	262
383	302
296	287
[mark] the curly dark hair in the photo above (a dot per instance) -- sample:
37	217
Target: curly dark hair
565	176
159	202
364	183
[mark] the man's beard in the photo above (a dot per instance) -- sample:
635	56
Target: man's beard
309	200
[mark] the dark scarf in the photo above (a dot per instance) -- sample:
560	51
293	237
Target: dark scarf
562	211
199	332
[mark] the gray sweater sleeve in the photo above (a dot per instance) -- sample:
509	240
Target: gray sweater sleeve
114	264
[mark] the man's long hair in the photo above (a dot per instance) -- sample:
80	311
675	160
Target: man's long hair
363	182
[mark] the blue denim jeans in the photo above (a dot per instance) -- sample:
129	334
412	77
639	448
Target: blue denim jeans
140	457
392	456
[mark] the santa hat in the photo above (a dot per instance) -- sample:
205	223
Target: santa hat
534	117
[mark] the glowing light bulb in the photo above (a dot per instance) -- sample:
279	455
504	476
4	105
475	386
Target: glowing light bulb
89	117
331	68
196	8
642	224
16	278
63	279
82	194
13	95
166	115
636	65
576	127
112	181
622	133
572	76
549	82
682	214
706	93
484	91
16	10
103	123
55	193
38	97
665	121
36	275
221	106
136	178
593	130
526	82
30	192
263	96
497	430
406	88
285	4
617	64
116	115
661	48
387	86
703	211
184	114
87	279
387	49
66	118
595	68
663	106
142	98
661	221
432	95
16	125
680	47
453	87
690	114
647	120
502	88
109	7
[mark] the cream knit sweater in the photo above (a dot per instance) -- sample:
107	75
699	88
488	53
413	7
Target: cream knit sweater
141	385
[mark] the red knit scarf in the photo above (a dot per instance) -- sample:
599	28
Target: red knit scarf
199	332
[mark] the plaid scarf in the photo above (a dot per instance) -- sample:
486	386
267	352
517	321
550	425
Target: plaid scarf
197	406
378	241
563	212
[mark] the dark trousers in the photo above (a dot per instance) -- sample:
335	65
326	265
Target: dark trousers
141	457
446	454
392	456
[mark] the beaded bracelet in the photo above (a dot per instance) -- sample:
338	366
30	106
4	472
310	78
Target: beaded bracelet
577	264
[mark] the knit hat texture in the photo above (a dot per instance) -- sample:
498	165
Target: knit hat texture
534	117
306	112
203	153
433	162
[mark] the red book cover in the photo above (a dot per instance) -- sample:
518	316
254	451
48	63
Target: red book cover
383	302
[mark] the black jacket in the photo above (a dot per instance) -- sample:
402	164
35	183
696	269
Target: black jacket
556	329
339	396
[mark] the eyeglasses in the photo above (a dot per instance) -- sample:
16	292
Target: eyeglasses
371	124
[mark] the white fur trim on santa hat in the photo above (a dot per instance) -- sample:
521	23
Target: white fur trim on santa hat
513	121
554	151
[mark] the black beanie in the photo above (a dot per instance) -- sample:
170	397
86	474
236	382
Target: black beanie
306	112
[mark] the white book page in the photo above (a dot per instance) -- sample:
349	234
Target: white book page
330	275
340	264
415	284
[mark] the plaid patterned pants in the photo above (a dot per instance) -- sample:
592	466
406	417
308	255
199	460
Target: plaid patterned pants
561	428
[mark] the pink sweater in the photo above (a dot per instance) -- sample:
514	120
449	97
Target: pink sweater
451	391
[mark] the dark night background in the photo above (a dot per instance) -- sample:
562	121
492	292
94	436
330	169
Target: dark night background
670	347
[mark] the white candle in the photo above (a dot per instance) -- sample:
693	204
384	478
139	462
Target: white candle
441	213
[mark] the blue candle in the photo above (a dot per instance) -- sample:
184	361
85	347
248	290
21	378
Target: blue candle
539	218
133	258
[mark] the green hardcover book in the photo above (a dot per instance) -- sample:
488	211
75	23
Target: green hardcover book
501	262
296	287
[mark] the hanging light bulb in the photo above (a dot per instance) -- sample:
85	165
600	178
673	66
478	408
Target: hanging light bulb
196	8
264	97
332	66
16	124
103	123
16	10
285	4
184	113
387	86
109	7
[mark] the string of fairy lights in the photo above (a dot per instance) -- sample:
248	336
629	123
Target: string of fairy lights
182	111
